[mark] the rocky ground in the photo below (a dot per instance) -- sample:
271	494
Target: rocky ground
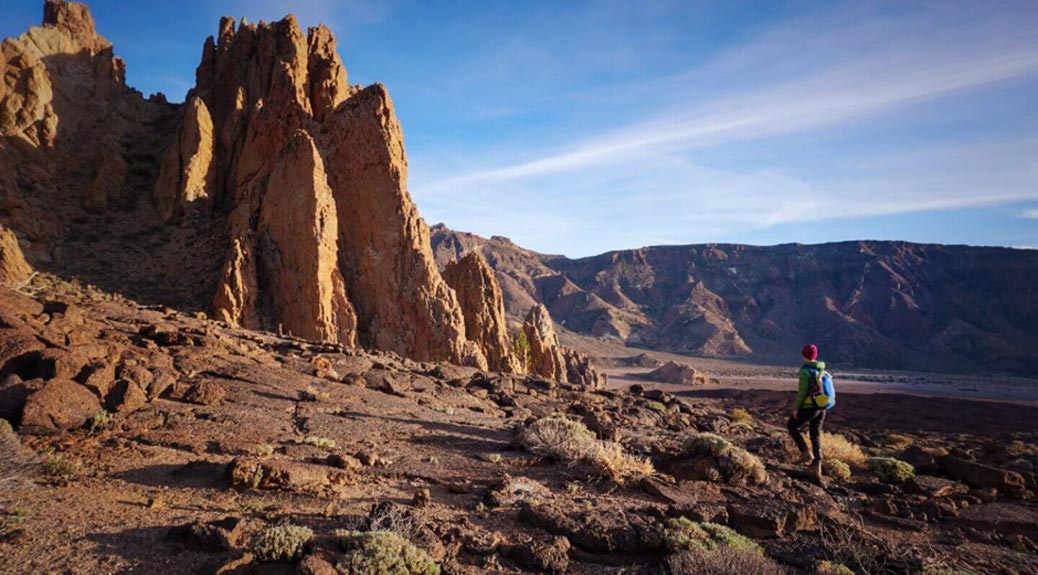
151	441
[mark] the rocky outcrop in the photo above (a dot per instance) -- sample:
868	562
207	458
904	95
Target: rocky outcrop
678	373
580	371
188	174
483	307
546	359
13	267
32	94
324	240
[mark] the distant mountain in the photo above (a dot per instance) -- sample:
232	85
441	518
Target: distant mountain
867	303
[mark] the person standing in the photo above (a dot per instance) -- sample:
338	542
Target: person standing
815	396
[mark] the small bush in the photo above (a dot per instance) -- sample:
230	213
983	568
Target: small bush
283	543
897	440
723	561
836	469
60	470
735	464
322	442
16	463
656	406
830	568
890	470
683	534
838	447
568	441
99	421
557	437
265	450
608	459
740	415
382	553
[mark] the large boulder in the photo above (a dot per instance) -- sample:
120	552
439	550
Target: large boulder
979	475
678	373
58	405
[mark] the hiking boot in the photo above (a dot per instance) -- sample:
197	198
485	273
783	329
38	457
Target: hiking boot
816	473
805	458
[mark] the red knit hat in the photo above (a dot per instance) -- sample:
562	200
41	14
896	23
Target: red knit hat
810	352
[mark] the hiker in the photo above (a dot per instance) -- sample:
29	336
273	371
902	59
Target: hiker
815	396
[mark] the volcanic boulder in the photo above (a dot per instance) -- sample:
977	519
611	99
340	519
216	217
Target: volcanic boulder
679	373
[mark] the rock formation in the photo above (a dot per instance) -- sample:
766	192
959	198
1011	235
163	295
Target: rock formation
550	360
13	267
546	358
679	373
324	240
188	173
484	309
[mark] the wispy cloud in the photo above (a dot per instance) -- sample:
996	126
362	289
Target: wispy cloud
1029	214
836	75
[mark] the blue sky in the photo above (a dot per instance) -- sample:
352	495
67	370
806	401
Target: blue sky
580	127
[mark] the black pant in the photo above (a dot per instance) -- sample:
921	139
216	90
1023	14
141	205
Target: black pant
815	417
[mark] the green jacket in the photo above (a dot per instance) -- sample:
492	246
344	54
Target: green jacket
805	382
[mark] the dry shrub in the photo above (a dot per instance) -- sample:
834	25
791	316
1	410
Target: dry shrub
840	448
740	415
16	463
735	463
568	441
723	561
866	554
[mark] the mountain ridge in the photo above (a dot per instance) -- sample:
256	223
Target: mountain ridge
915	305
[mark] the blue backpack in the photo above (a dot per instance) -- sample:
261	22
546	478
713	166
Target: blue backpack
822	393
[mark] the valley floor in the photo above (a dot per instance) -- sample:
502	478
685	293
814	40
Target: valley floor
258	430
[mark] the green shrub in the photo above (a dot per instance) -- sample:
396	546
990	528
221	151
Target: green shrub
836	469
322	442
521	350
61	470
265	450
890	470
656	406
683	534
735	464
830	568
283	543
99	421
382	553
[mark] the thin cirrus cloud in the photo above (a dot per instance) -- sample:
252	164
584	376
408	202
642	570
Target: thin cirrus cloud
1029	214
852	72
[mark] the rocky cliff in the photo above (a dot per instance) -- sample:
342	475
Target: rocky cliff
274	198
871	304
